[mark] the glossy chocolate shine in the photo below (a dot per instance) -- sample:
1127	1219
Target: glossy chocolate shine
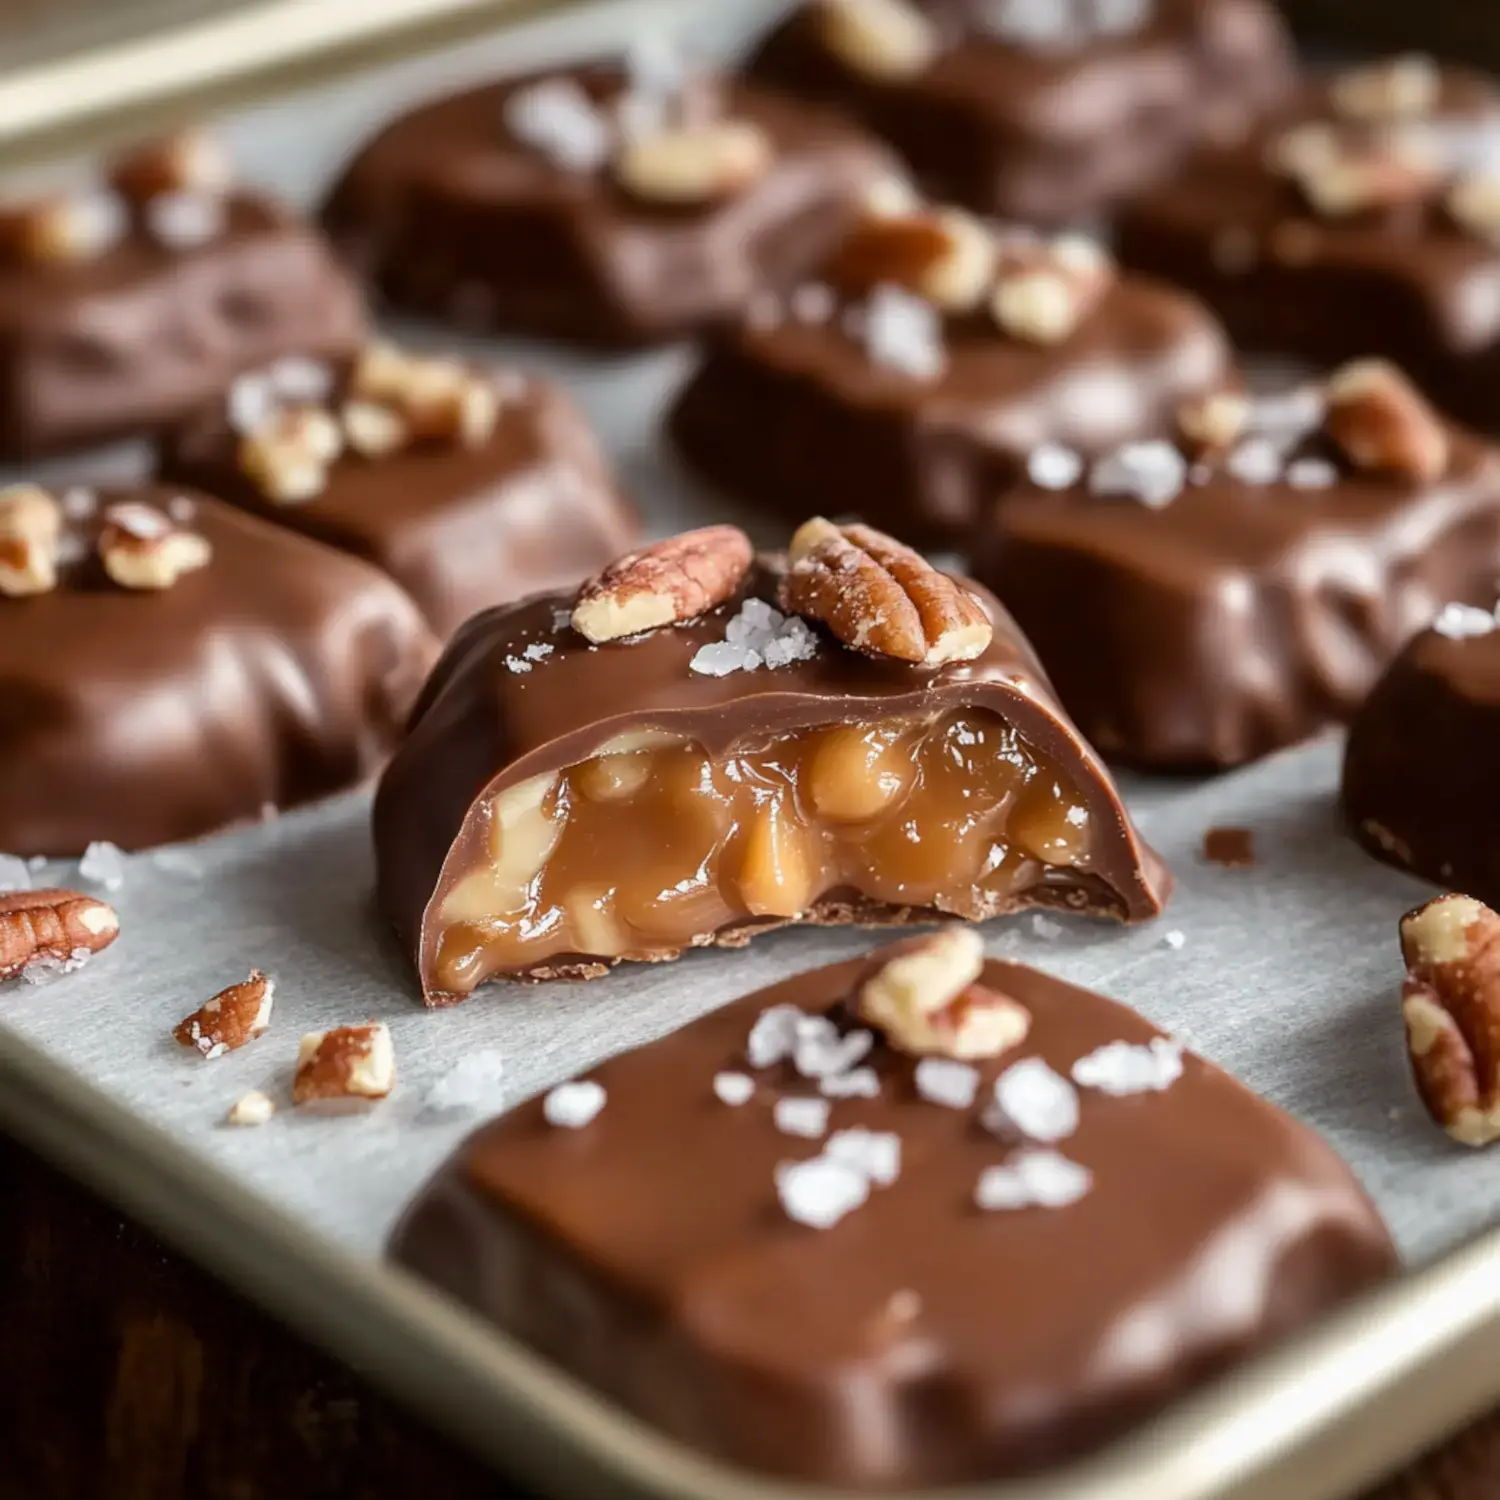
482	726
451	215
919	1341
1239	617
278	673
459	528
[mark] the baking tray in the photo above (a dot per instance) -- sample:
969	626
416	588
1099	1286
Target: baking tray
1288	976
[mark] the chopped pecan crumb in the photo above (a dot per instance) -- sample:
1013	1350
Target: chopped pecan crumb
141	548
1384	424
348	1065
254	1108
885	39
52	926
233	1017
695	163
1045	289
943	255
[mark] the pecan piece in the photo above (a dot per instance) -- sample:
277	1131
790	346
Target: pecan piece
1214	423
30	527
141	549
288	458
665	584
54	927
1384	423
191	161
1451	1006
693	164
924	997
1043	290
885	39
945	256
349	1065
880	597
233	1017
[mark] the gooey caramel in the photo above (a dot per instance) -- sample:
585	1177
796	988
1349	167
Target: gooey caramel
653	844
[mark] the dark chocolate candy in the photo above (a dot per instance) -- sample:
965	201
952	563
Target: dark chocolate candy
279	672
919	1340
1400	276
452	213
459	524
983	801
1254	607
1418	785
795	415
1043	113
138	336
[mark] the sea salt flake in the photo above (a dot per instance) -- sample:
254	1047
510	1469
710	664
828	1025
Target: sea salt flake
795	640
1257	460
820	1192
822	1057
1034	1179
733	1088
1053	467
1045	927
97	221
251	403
78	503
874	1154
941	1080
904	333
773	1037
1123	1068
1045	24
103	864
185	220
1174	939
475	1081
1030	1097
298	380
538	650
571	1106
517	664
1311	474
858	1083
36	862
1462	622
806	1117
1152	472
15	873
558	119
720	658
46	970
1290	415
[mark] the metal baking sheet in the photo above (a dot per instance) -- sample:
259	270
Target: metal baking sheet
1287	976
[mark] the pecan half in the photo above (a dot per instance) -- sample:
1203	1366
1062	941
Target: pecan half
233	1017
880	597
1384	423
1451	1006
691	164
142	549
52	926
925	998
880	38
1044	290
944	255
288	458
350	1064
30	526
191	161
1214	423
665	584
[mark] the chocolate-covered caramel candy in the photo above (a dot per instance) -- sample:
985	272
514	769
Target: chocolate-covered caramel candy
1046	112
912	381
604	205
170	666
560	805
1375	191
468	486
788	1238
1418	787
126	307
1205	599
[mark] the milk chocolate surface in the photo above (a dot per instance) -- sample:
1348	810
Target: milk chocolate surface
1048	114
1243	614
1012	809
920	1340
459	526
278	673
453	214
142	335
1238	229
796	417
1418	787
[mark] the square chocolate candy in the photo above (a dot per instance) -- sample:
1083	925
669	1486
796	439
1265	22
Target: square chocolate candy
1204	600
469	487
605	205
169	666
913	1220
1046	111
910	382
1366	221
124	309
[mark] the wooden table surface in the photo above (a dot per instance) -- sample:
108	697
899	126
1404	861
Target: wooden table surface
127	1374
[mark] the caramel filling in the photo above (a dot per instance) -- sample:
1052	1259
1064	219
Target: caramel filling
652	843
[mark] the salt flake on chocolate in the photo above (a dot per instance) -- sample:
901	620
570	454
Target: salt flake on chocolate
1122	1068
104	865
874	1154
941	1080
1035	1179
1030	1097
904	333
1151	472
820	1192
733	1089
1257	460
858	1083
807	1118
773	1037
186	220
824	1055
1463	622
558	119
1053	467
758	635
1311	474
571	1106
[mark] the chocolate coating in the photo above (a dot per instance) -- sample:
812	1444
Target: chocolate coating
1240	617
1050	134
1238	233
459	528
1418	786
480	726
278	673
795	418
140	337
919	1341
449	214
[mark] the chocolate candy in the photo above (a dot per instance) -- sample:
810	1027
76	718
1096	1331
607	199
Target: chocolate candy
1371	193
910	385
1203	607
1418	785
468	487
124	309
837	1262
603	206
169	666
1048	112
567	800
